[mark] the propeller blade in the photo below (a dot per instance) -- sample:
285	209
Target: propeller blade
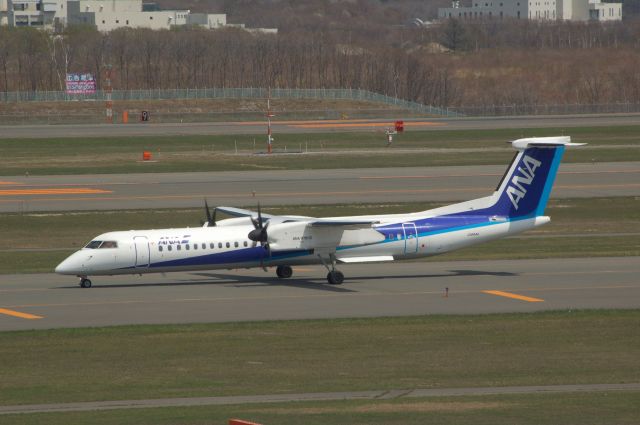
212	222
206	209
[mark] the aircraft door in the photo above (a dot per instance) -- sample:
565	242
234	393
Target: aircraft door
410	238
142	251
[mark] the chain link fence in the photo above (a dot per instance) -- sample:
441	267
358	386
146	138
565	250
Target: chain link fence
412	108
229	93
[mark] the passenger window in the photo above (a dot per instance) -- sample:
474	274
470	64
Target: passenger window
195	246
219	244
204	246
212	245
160	248
228	245
186	247
246	244
179	247
235	244
169	248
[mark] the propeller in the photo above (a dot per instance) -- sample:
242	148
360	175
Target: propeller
211	219
259	233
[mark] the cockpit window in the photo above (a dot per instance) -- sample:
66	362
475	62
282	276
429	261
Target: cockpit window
102	244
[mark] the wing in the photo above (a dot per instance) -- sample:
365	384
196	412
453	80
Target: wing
239	212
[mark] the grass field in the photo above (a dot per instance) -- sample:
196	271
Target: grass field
620	408
579	227
334	150
143	362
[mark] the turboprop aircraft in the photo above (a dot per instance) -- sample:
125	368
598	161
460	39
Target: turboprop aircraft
251	239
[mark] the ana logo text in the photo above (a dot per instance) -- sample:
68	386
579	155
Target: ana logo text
517	190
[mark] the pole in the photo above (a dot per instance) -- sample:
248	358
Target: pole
108	88
269	116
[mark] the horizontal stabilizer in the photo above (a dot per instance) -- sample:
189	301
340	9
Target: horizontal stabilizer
374	259
543	142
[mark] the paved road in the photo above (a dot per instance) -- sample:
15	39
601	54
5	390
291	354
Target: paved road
177	129
394	289
284	398
109	192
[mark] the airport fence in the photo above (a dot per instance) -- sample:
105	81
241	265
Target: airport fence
229	93
410	108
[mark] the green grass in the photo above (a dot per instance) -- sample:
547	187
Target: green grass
619	408
571	218
331	150
142	362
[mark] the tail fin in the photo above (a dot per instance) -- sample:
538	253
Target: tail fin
524	190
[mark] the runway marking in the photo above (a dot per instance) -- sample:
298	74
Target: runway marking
437	292
514	296
10	183
19	314
372	124
58	191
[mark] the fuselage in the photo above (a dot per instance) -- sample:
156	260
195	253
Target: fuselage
227	245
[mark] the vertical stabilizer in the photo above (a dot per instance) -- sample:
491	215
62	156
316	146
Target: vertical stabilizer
525	188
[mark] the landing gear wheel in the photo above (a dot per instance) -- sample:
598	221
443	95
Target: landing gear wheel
85	283
335	277
284	272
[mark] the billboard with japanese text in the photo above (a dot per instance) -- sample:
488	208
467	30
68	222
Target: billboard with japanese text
81	84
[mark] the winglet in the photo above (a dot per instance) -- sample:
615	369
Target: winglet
543	142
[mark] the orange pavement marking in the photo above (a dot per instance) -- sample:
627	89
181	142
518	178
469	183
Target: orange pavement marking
60	191
9	183
514	296
367	124
18	314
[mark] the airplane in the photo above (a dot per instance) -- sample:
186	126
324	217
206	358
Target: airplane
251	239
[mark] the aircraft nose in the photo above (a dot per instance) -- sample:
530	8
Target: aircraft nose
69	266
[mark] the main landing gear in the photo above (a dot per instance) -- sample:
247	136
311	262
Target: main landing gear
284	272
334	277
84	282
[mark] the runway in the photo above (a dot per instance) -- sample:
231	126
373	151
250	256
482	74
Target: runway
393	289
258	127
296	187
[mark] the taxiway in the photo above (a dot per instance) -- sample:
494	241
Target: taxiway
392	289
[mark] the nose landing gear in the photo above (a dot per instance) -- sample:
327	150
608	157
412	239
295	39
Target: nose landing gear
84	282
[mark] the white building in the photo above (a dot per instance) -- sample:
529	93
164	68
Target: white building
32	13
105	15
572	10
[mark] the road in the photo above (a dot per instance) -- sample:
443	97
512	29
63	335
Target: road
296	187
394	289
258	127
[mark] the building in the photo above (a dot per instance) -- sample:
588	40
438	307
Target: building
105	15
32	13
570	10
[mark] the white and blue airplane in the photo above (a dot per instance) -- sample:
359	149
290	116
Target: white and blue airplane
262	240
